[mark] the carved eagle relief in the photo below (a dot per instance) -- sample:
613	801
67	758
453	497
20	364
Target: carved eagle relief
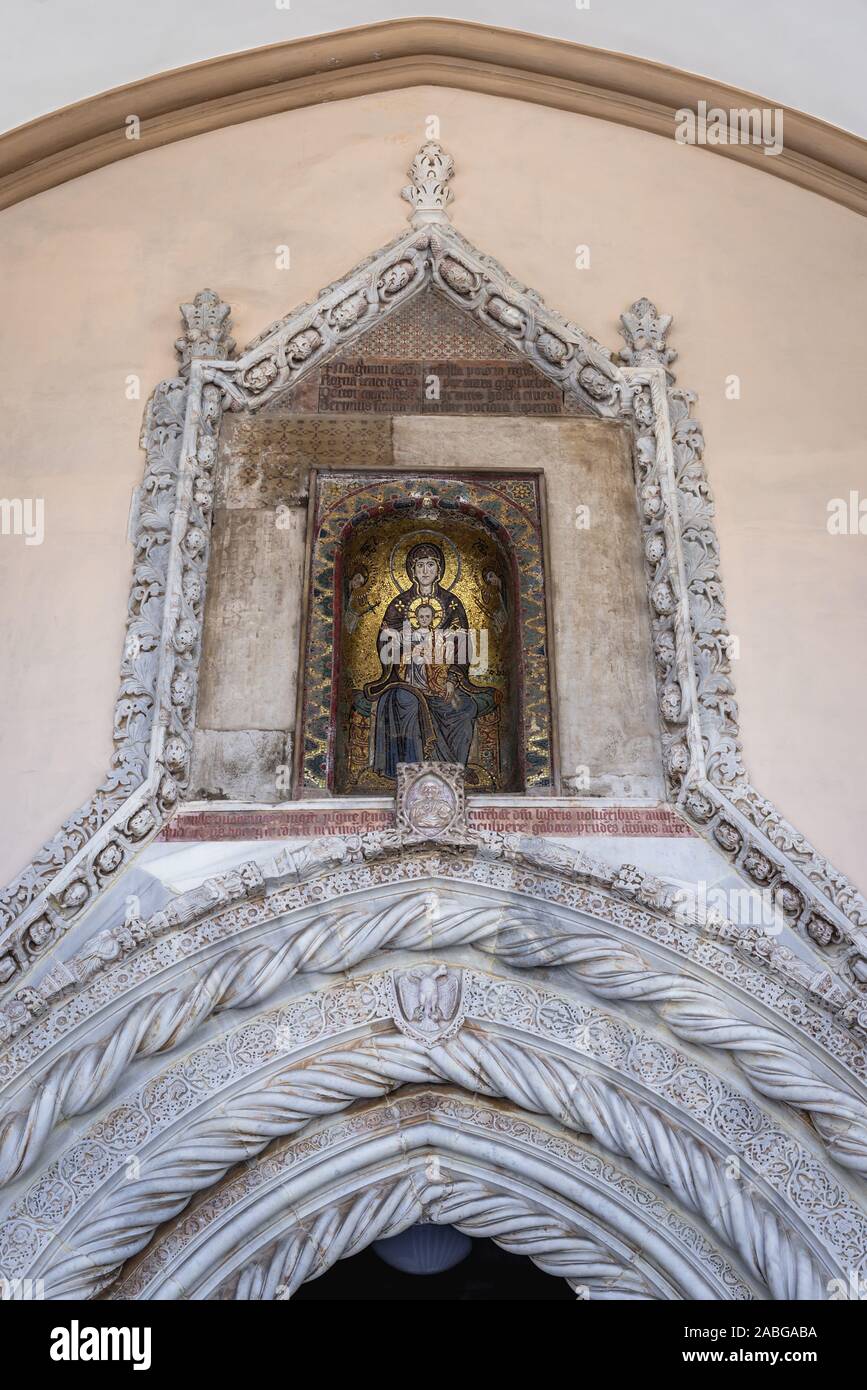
428	1001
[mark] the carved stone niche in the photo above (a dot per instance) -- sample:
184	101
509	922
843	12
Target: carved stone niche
431	802
149	774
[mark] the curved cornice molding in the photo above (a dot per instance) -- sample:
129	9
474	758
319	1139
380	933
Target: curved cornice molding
408	53
526	877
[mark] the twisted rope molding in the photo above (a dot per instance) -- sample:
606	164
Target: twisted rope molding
344	1156
89	1255
245	977
630	897
474	1207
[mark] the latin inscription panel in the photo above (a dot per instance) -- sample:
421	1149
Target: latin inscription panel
438	388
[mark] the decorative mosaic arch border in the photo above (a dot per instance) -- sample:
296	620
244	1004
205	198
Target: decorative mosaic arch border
155	711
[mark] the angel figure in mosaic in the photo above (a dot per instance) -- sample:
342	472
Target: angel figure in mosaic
355	602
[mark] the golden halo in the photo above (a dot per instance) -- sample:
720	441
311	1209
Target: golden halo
404	544
421	602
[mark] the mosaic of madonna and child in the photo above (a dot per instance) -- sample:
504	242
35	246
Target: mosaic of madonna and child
430	668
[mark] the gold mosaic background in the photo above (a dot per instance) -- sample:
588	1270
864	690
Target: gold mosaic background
377	550
514	749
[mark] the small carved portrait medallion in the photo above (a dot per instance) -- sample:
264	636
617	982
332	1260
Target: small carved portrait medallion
430	800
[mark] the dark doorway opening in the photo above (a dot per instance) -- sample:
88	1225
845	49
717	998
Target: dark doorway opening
488	1274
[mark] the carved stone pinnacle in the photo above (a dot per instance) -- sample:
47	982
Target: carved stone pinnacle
206	331
645	331
429	192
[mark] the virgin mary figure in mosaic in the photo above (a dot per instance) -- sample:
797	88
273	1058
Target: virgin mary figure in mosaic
427	704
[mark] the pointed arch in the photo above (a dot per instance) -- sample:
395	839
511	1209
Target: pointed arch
432	1156
528	905
781	1211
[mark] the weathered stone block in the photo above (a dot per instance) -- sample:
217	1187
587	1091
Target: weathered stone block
240	765
250	655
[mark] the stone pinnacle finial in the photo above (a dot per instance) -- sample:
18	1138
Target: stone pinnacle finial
206	330
429	192
645	331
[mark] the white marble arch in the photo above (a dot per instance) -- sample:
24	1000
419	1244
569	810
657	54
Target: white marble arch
133	996
445	1157
755	1185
